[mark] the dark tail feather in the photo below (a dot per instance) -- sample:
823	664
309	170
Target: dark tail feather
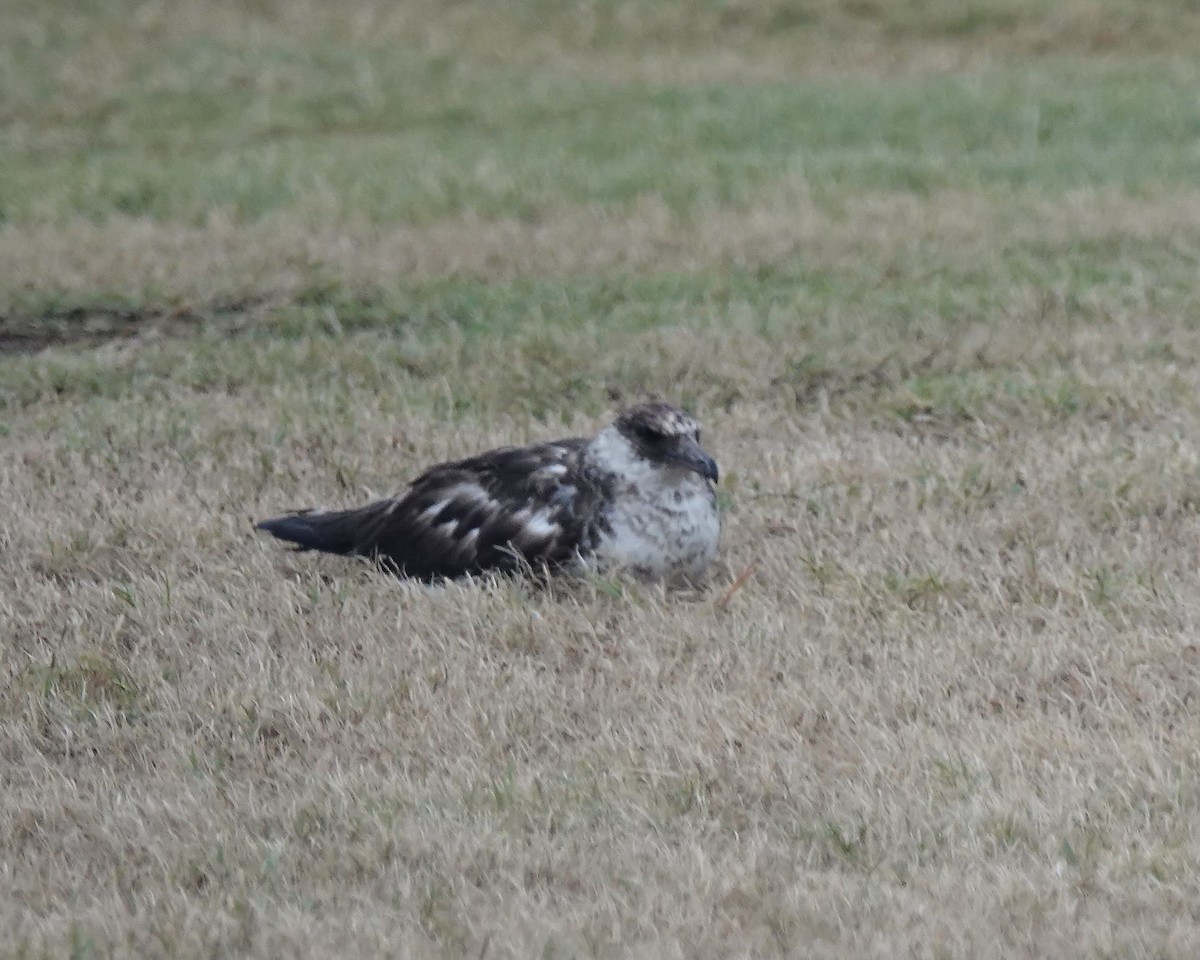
341	531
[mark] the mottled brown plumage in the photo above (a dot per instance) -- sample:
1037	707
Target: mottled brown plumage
636	494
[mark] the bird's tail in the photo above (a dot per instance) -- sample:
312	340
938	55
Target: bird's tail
330	531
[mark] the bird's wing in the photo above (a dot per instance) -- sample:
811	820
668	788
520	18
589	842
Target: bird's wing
500	510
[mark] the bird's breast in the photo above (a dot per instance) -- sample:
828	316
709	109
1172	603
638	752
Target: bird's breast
661	530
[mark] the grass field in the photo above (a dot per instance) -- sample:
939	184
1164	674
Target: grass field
925	269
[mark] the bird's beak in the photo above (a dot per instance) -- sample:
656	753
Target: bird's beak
691	456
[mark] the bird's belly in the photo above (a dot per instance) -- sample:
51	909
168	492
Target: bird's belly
673	535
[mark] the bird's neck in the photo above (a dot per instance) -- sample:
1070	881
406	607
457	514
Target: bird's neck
611	455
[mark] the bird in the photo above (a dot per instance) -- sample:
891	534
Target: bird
638	495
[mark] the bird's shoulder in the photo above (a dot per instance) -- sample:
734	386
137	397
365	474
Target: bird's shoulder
495	510
510	472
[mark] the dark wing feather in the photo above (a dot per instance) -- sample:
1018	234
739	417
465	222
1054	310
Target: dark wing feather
502	510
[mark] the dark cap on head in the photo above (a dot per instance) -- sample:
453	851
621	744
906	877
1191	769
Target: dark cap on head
665	434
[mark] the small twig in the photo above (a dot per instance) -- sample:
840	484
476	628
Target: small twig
737	584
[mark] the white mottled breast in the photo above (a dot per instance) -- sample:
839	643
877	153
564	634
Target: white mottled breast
661	521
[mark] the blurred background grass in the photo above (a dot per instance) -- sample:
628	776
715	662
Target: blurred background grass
411	112
846	174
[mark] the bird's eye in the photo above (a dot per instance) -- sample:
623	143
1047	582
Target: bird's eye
647	434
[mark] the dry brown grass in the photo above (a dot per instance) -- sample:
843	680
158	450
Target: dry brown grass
959	683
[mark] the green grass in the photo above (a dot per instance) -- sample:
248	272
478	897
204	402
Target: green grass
235	114
506	145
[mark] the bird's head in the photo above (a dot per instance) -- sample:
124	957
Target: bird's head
666	435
